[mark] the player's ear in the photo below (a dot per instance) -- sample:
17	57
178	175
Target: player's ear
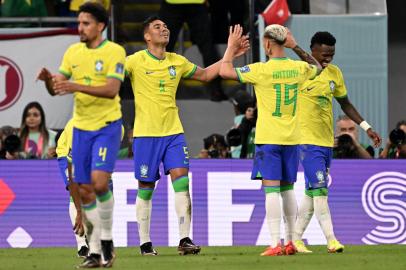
147	36
100	26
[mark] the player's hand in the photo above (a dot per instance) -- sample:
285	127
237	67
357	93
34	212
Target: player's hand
244	46
79	229
44	74
290	40
374	137
234	38
64	87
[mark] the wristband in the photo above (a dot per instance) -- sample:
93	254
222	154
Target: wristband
364	125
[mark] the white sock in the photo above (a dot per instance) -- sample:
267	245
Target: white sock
80	240
273	216
289	213
143	209
183	208
105	206
322	212
93	227
304	216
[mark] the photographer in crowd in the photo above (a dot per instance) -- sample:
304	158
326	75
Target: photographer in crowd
396	144
215	146
347	144
10	143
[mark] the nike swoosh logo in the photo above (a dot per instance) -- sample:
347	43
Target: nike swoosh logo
98	164
75	66
148	72
309	88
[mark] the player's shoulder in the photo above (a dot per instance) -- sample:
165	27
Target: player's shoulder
137	56
174	57
334	70
75	47
115	47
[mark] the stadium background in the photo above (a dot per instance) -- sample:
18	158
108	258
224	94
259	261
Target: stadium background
26	211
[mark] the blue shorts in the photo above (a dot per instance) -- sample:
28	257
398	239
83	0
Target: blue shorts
316	162
63	169
95	150
276	162
149	152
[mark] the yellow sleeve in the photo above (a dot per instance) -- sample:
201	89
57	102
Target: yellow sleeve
340	90
62	148
249	73
188	69
116	65
310	71
128	67
65	67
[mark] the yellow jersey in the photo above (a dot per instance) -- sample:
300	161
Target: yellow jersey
276	84
93	67
316	106
64	144
75	4
154	83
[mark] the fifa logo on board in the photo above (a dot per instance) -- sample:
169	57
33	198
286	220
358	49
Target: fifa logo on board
383	199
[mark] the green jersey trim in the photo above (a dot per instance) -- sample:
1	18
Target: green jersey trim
191	73
65	73
153	56
239	75
115	77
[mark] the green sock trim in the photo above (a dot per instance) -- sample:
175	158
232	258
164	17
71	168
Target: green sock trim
181	184
89	206
71	199
309	193
145	193
104	197
287	187
320	192
275	189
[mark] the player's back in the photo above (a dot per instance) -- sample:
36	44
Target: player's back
276	85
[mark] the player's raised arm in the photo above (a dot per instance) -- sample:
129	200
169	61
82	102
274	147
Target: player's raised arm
237	45
352	113
292	44
213	71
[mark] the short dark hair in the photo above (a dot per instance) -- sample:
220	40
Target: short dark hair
97	11
401	123
148	21
323	38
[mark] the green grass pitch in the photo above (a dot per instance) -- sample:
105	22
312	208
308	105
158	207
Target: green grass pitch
382	257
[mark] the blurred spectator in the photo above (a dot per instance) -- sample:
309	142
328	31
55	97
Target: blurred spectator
346	143
127	152
215	146
10	144
75	4
195	13
37	141
23	8
242	133
396	144
225	13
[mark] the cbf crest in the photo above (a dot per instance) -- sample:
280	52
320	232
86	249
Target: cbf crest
98	65
144	171
332	85
172	72
320	177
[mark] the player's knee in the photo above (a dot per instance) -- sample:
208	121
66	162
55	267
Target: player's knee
181	184
87	194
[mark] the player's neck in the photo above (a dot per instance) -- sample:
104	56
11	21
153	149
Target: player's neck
277	52
95	43
157	51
